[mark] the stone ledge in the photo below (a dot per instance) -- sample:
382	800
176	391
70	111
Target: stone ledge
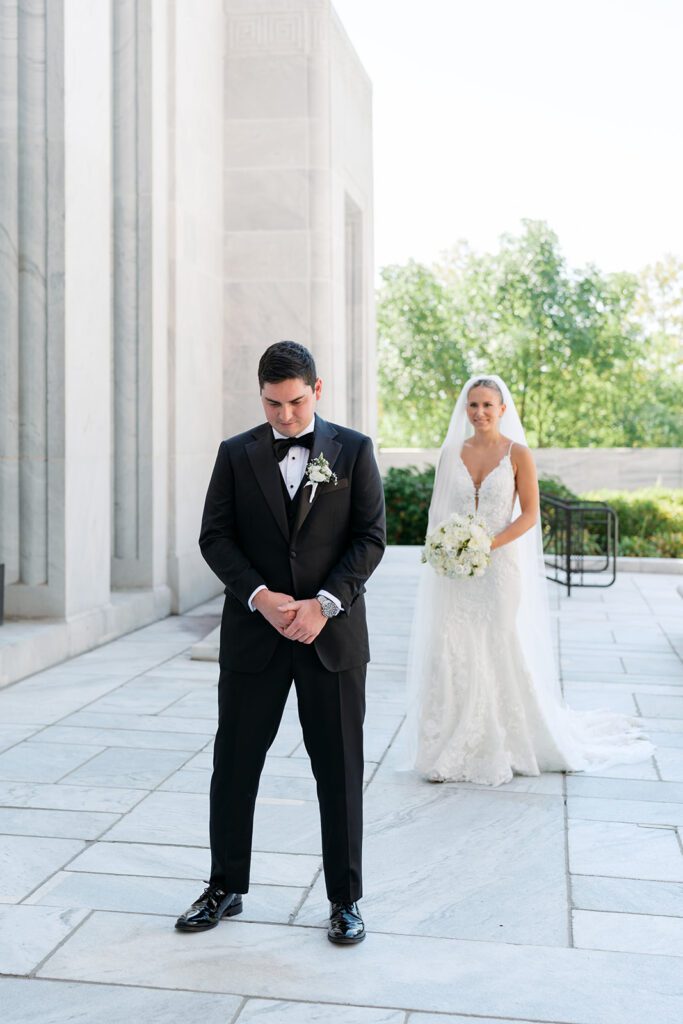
659	566
207	649
28	646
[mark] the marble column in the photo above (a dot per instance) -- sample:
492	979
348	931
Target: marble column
126	340
32	306
9	292
195	349
60	235
139	160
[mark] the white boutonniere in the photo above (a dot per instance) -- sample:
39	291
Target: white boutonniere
318	472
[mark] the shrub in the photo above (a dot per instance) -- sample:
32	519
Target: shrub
407	493
650	520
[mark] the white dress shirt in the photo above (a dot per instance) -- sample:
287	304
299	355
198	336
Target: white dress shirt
293	468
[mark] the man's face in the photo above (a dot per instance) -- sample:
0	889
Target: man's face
289	405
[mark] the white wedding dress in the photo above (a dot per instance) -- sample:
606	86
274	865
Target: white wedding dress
478	715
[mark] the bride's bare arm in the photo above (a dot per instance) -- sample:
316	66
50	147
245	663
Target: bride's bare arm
527	489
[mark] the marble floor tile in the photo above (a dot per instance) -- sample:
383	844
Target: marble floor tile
624	851
52	701
142	697
196	780
287	788
598	663
146	723
29	934
624	789
26	1001
644	770
146	894
627	895
654	664
26	861
179	819
628	933
480	877
287	869
673	725
11	734
670	764
198	704
203	760
671	740
267	1011
57	797
589	700
34	761
661	707
104	737
448	976
128	767
637	812
440	1018
26	821
287	766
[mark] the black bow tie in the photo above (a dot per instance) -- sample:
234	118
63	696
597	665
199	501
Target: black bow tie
282	445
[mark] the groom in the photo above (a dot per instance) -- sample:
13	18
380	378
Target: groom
293	526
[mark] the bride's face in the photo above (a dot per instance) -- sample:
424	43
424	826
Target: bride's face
484	410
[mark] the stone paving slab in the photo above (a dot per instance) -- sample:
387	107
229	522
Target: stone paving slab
551	899
387	971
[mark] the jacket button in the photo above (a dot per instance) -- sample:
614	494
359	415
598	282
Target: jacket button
292	554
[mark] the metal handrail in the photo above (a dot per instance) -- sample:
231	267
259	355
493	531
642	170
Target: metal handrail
580	539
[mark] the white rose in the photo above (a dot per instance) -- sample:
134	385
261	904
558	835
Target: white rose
317	476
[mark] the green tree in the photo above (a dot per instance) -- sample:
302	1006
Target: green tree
421	367
582	352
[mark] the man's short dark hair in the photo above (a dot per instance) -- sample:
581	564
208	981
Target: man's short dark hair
286	360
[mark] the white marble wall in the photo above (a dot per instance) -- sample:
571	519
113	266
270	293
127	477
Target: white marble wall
174	188
581	469
297	139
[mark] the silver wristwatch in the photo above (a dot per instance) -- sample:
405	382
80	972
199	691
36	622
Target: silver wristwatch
329	607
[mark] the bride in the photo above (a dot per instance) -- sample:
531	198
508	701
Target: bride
484	697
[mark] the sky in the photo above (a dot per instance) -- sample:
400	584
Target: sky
490	111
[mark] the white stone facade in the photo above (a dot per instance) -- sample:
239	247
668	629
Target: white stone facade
180	186
298	204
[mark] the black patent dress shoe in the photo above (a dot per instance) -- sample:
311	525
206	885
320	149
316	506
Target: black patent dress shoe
346	924
213	904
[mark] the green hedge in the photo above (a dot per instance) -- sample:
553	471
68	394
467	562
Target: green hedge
407	493
650	519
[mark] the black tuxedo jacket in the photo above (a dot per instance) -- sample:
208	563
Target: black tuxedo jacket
336	542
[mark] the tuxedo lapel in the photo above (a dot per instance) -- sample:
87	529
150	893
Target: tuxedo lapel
267	473
325	443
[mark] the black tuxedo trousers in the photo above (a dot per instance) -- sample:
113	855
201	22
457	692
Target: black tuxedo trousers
331	711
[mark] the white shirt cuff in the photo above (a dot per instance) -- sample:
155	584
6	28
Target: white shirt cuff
333	599
250	601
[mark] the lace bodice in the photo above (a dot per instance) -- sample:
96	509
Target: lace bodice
496	494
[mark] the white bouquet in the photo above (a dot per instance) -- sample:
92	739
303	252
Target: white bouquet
459	547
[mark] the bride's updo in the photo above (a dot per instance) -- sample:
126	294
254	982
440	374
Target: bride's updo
487	382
